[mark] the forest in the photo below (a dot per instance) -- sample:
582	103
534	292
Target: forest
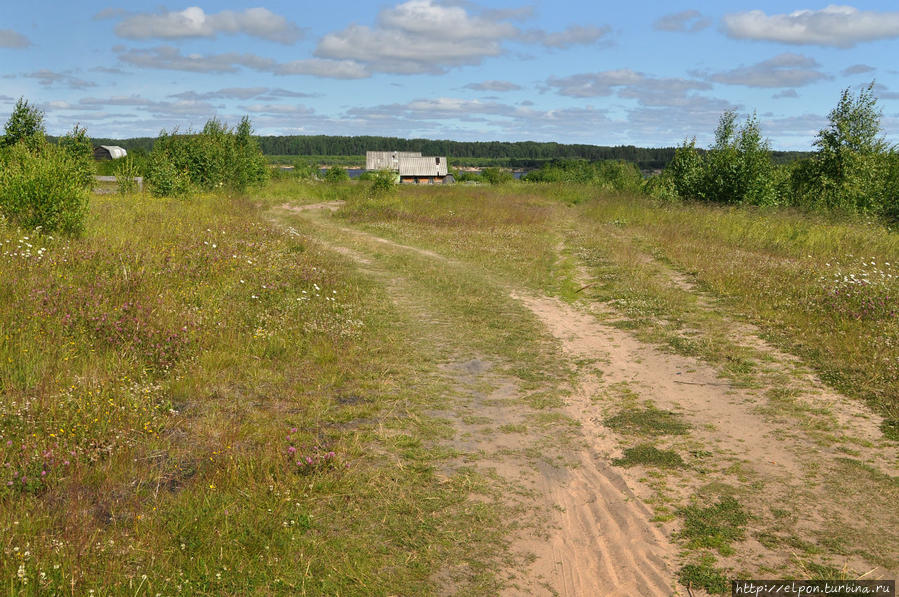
519	154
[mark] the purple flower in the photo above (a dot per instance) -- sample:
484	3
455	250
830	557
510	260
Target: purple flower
291	450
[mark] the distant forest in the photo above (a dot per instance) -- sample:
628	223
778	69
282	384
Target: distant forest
519	154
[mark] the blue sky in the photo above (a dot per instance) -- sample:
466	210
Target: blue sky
604	73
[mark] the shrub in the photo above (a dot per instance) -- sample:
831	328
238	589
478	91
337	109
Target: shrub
305	170
685	171
125	172
26	123
611	175
854	169
496	176
383	182
336	174
42	188
78	146
217	157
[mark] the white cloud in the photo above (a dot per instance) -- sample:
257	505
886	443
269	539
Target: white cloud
575	35
292	109
836	25
786	94
49	78
171	58
243	93
322	67
422	36
784	70
626	83
493	86
686	21
858	69
156	108
13	39
195	22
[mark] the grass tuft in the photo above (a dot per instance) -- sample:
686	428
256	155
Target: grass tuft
647	421
648	455
715	526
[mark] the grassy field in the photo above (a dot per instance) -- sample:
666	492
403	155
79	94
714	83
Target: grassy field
221	396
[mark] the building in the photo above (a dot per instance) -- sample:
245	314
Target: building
412	167
420	170
387	160
109	152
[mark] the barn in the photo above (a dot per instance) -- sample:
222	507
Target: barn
387	160
109	152
420	170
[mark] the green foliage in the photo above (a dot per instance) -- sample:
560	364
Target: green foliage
649	455
336	174
685	171
854	169
383	183
125	172
42	188
648	421
216	158
78	146
854	126
715	526
661	187
305	169
704	576
496	176
610	175
26	123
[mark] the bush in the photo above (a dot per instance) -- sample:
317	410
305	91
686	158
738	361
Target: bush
686	171
661	187
42	188
854	169
305	170
736	169
496	176
336	174
79	147
383	182
215	158
125	172
25	124
610	175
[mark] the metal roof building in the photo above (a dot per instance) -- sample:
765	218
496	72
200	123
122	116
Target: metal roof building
109	152
387	160
422	167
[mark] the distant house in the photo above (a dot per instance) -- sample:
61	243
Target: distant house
387	160
419	170
109	152
411	167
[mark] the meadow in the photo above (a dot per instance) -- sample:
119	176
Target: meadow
201	395
254	382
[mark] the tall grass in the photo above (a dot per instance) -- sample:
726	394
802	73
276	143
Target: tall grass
188	394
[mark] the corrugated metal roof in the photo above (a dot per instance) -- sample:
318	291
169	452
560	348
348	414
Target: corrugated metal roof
115	152
386	160
419	166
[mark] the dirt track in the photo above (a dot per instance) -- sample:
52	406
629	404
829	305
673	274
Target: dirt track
596	534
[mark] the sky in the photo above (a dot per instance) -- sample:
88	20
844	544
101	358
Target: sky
607	73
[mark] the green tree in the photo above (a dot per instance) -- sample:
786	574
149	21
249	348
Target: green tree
80	149
26	123
336	174
853	167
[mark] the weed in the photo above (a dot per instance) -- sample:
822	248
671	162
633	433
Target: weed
647	421
715	526
705	576
649	455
